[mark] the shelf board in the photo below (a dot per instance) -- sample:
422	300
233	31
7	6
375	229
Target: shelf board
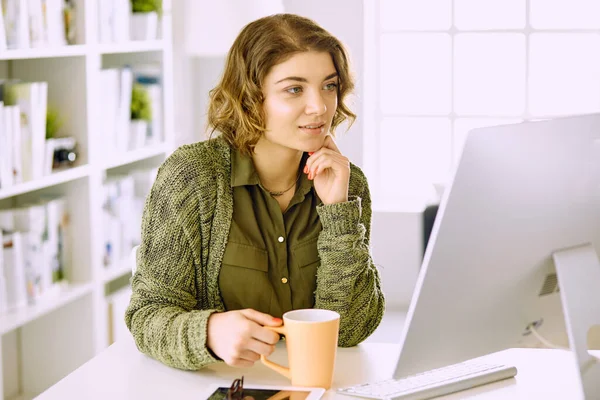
23	397
117	271
17	318
53	179
78	50
45	52
131	47
135	156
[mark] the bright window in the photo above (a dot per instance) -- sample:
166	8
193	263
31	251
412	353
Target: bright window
435	69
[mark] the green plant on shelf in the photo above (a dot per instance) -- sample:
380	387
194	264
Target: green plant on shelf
138	6
141	107
53	123
10	96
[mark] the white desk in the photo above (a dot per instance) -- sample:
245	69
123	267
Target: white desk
122	372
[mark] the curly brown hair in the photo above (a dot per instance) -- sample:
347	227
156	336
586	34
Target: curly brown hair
236	103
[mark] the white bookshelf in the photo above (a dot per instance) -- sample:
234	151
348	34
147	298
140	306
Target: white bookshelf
56	178
122	268
135	156
23	397
42	343
52	52
151	45
23	316
83	50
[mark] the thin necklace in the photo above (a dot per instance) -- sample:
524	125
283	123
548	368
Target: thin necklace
277	194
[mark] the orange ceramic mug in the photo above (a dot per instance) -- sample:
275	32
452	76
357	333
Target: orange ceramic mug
311	337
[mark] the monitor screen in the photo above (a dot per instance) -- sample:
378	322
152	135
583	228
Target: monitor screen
519	194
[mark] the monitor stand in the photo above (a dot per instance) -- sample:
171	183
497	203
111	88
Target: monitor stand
578	271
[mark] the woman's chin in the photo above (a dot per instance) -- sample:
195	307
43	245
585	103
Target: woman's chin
314	145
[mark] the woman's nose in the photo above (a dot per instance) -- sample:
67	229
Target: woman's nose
316	104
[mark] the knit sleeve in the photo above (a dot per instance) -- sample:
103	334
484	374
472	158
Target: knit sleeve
162	314
347	280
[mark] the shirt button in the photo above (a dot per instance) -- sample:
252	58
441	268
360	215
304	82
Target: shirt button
283	280
280	239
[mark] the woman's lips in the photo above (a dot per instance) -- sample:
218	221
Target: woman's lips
313	129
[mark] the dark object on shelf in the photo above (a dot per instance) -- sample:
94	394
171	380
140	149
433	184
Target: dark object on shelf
65	153
64	157
428	219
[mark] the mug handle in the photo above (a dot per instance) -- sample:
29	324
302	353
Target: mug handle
274	366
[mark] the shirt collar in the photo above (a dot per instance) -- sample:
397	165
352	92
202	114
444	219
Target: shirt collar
243	172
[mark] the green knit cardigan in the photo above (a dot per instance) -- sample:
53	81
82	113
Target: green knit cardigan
185	227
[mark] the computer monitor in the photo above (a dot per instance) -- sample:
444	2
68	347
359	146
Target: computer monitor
518	194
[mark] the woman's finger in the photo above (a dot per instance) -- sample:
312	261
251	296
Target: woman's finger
259	347
320	153
249	355
260	318
335	164
330	143
265	335
337	159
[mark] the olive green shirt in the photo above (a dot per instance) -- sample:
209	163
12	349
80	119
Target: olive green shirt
271	259
185	228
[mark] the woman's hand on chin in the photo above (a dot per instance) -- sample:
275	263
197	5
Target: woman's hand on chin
330	172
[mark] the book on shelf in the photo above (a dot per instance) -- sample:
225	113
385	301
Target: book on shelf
32	101
54	22
118	218
32	24
16	24
10	146
113	21
29	221
6	172
14	270
57	223
125	87
150	77
25	153
3	45
36	23
34	248
123	202
116	87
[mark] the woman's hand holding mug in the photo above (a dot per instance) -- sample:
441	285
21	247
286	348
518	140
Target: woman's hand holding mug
241	337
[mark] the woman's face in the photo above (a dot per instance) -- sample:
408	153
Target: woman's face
300	100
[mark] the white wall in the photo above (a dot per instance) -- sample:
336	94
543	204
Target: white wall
396	237
397	252
184	81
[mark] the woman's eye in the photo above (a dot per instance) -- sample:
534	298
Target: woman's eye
330	86
294	90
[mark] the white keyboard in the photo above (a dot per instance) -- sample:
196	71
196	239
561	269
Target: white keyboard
437	382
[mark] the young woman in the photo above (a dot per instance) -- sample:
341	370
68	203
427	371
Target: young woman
266	217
